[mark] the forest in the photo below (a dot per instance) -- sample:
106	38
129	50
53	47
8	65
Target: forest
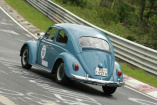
136	20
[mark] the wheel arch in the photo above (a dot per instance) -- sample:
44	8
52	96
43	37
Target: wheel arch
33	48
54	69
69	60
115	76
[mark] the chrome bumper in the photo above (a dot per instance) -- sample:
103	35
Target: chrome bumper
95	81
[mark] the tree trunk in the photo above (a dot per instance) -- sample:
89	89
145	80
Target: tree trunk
106	3
152	2
102	3
142	10
113	3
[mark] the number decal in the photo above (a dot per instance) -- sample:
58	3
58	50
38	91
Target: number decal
43	52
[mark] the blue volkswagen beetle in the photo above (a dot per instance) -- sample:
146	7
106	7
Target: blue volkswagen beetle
75	52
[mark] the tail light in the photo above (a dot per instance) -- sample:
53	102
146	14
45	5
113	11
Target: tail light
119	73
76	66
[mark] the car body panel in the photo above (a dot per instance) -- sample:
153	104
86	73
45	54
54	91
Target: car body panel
93	59
72	52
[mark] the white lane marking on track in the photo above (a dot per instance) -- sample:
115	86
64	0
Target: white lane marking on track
66	96
47	102
6	101
28	98
17	23
140	92
9	31
9	92
142	102
42	99
9	60
21	40
3	72
8	51
4	23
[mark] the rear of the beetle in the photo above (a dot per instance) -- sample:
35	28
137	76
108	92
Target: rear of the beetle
97	59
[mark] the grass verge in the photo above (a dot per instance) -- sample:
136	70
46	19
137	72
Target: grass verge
139	74
43	22
31	14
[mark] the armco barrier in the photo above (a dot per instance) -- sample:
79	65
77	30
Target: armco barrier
133	53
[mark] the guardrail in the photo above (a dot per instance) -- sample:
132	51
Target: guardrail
133	53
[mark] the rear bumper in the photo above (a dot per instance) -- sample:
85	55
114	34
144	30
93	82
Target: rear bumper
95	81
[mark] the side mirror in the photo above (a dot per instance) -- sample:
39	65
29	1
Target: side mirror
38	34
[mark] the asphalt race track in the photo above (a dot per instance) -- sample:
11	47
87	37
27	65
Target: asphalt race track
19	86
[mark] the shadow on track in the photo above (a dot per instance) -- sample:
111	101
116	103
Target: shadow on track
74	86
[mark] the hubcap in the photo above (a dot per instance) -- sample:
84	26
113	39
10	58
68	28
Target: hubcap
25	57
60	72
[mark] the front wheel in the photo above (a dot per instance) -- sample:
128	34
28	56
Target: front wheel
25	58
109	90
61	77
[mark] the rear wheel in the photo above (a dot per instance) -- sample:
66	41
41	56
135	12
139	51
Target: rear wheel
61	77
109	90
25	58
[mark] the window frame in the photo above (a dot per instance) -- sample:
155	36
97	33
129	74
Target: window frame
51	29
95	47
58	34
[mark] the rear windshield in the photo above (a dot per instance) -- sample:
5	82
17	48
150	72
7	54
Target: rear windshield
94	43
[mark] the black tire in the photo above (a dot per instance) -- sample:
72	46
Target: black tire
109	90
25	58
61	77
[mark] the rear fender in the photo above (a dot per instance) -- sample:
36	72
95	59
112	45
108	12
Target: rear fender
115	76
69	60
33	48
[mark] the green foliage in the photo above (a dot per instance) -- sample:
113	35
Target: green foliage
79	3
124	10
121	17
108	16
131	38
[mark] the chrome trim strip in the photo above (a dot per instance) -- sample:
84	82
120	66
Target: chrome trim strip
87	79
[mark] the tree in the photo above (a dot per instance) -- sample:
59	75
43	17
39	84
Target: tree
143	2
106	3
152	3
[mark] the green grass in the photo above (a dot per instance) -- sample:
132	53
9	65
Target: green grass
42	22
139	74
31	14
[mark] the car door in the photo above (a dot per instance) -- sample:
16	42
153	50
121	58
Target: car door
46	52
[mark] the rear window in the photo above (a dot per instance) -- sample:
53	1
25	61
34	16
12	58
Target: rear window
94	42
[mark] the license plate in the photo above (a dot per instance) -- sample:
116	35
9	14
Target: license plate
101	71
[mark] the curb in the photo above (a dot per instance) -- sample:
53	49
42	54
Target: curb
129	81
140	86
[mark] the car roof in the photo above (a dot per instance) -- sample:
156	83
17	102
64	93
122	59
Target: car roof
80	30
